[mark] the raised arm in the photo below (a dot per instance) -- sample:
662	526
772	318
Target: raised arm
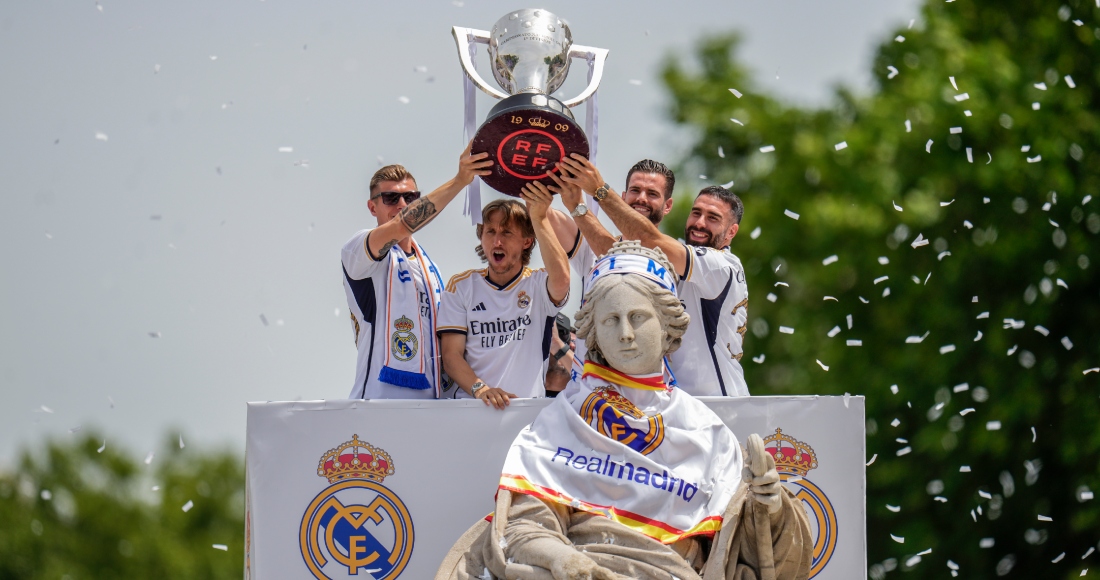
417	214
538	199
580	172
599	239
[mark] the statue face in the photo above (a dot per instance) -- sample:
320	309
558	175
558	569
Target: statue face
629	331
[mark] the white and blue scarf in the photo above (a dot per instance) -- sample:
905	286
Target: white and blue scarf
410	333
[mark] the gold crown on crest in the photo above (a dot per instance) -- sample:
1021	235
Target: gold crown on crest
791	455
403	324
355	459
539	122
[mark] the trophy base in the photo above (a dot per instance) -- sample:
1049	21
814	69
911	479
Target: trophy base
526	135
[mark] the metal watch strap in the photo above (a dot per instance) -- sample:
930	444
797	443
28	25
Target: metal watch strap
580	210
601	192
477	386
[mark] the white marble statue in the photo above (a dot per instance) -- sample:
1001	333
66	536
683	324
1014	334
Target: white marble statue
626	477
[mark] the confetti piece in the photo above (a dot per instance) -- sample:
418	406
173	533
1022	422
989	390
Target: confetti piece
940	499
1069	81
46	409
102	447
917	339
1035	106
635	82
881	279
864	300
883	260
983	315
947	348
968	225
1012	350
736	93
736	121
1033	435
897	539
1086	199
823	365
893	71
1067	343
964	469
830	260
987	163
100	136
767	149
873	458
961	388
896	206
962	97
841	145
966	411
833	331
895	422
979	337
904	451
784	284
721	153
928	146
755	233
969	156
893	508
181	441
853	343
149	458
187	506
830	298
1045	519
286	150
403	100
908	126
993	426
771	297
1041	86
920	241
899	38
1077	22
790	214
956	130
946	203
156	68
1058	558
1062	283
848	318
728	184
1086	495
1035	159
1042	330
925	553
221	547
786	330
213	57
758	359
942	255
984	494
952	565
953	85
968	113
1087	371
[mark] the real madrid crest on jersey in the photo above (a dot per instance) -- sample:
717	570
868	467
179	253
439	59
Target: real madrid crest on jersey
793	460
356	527
403	341
524	300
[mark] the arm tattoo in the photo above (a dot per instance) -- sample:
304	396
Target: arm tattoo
386	248
418	214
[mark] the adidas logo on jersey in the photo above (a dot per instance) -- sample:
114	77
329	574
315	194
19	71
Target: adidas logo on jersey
479	308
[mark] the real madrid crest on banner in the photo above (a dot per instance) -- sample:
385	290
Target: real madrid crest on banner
793	460
356	527
403	342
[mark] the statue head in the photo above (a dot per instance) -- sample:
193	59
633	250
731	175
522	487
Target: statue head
630	318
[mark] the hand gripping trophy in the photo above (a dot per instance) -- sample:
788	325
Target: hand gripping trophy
528	131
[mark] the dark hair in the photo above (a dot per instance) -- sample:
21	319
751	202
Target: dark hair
515	214
390	173
651	166
731	199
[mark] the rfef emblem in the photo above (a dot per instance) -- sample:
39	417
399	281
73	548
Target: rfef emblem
403	341
356	527
793	460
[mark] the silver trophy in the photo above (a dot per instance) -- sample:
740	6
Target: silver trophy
528	131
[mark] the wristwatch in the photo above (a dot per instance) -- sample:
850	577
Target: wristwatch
601	192
580	210
477	386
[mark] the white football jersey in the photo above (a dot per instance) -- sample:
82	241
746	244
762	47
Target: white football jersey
366	284
715	295
581	258
507	328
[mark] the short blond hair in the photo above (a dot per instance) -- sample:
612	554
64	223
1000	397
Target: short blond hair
390	173
515	214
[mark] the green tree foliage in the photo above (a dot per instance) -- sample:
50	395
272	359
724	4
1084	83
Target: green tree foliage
71	511
1013	238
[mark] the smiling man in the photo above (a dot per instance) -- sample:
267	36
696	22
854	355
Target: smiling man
712	280
497	321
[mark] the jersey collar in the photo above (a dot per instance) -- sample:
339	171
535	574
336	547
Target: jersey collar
505	285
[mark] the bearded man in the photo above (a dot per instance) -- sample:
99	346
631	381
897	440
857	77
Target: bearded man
626	477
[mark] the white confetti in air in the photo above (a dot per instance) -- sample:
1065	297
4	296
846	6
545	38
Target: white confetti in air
758	359
721	153
1062	283
864	300
942	255
955	130
1025	148
908	126
920	241
853	343
848	319
925	553
181	441
946	203
968	225
1041	86
1086	199
286	150
993	426
962	97
833	298
156	68
968	113
1045	519
149	458
727	185
969	155
893	508
1035	159
928	146
213	57
896	206
947	348
895	422
767	149
897	539
755	233
964	469
1087	496
841	145
953	85
899	38
771	297
1035	106
1012	350
893	71
784	284
894	390
790	214
403	100
1042	330
1033	435
988	162
187	506
1087	371
904	451
100	136
1058	558
102	447
1077	22
635	82
833	331
883	260
1067	343
966	411
979	337
986	543
823	366
786	330
961	388
830	260
873	458
221	547
736	93
1069	81
736	121
917	339
881	279
984	494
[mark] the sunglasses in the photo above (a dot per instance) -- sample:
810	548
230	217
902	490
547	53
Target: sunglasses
391	197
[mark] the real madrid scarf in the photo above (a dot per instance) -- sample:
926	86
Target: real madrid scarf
410	329
651	458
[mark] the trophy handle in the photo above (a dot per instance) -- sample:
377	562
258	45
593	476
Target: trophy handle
463	38
597	57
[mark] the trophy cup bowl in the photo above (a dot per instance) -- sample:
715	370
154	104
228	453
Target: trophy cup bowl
528	132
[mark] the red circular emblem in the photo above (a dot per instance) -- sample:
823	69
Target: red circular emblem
530	153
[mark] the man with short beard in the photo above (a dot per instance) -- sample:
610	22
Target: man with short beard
712	286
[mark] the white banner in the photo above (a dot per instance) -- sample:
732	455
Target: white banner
382	489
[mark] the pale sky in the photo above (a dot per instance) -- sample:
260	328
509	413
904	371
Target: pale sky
142	188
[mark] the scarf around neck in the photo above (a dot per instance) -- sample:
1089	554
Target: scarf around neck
412	351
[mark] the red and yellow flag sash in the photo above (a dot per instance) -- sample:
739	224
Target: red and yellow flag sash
654	382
